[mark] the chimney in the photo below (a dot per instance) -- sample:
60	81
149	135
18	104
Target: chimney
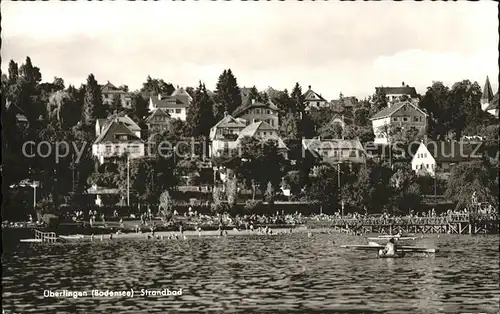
403	83
159	96
309	86
225	113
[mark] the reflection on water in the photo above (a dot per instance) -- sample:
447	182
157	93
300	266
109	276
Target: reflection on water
284	273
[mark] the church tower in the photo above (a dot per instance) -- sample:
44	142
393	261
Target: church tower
487	94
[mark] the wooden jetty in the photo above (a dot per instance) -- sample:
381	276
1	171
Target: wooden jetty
43	237
453	224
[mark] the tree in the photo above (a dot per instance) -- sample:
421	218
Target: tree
13	72
30	73
140	106
469	177
199	118
465	106
58	83
379	101
406	191
436	103
289	126
93	106
227	94
116	104
362	116
154	87
63	108
323	187
295	180
297	104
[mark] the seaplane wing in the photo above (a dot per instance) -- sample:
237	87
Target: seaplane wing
406	249
399	238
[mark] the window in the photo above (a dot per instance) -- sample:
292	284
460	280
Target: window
108	149
268	111
177	111
415	119
317	103
405	119
427	166
265	133
257	111
395	119
105	96
352	153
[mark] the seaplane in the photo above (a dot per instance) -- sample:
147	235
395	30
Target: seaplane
401	250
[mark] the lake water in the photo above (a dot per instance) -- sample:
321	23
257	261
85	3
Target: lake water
270	274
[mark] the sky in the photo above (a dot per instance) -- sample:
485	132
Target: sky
348	47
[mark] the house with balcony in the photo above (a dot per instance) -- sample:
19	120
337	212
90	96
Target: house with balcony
261	131
438	158
109	92
336	151
100	124
116	141
405	115
227	128
176	105
314	100
257	111
396	94
158	121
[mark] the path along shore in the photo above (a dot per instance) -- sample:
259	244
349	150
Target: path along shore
203	233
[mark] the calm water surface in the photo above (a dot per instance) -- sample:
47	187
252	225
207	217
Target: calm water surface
272	274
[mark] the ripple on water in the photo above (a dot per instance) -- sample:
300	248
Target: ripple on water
239	274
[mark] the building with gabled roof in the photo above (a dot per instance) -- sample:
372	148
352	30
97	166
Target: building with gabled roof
439	157
405	115
158	121
115	141
489	101
109	92
100	124
176	105
395	94
257	111
336	151
314	100
261	130
227	128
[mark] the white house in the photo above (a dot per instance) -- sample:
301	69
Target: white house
259	130
395	94
405	115
313	99
116	140
336	151
176	105
433	158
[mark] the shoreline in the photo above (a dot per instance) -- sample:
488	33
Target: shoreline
166	235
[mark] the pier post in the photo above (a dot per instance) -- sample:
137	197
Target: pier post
470	228
459	228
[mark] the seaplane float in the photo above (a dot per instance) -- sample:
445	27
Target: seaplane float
401	250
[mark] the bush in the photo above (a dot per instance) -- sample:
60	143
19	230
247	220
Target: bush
253	206
221	208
